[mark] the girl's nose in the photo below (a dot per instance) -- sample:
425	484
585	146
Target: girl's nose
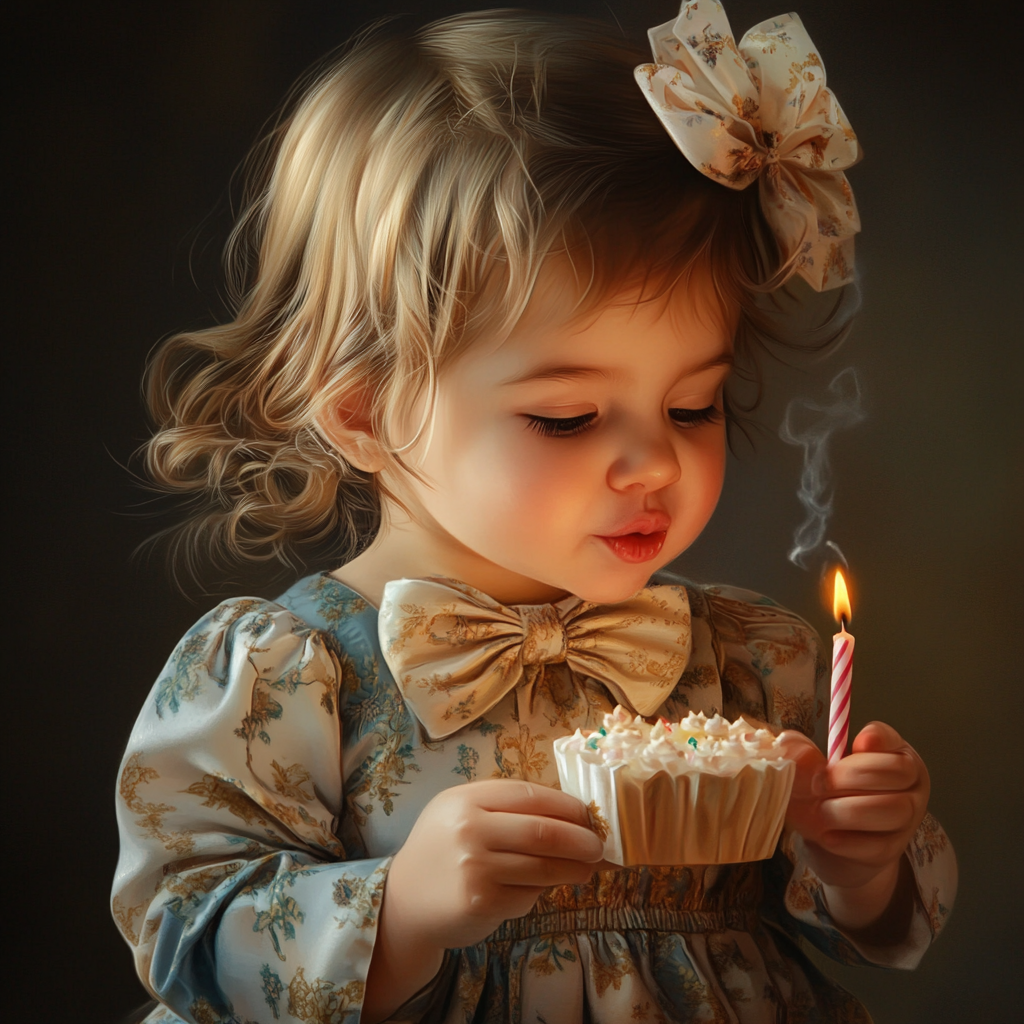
650	461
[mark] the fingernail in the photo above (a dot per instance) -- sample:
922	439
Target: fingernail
819	783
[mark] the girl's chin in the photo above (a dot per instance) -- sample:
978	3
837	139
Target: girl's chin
606	579
614	588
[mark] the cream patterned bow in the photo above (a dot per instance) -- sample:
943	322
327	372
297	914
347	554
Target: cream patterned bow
760	111
455	652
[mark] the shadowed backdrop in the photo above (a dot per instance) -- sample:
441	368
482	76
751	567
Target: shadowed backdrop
128	123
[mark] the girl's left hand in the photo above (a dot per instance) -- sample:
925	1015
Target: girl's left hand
856	817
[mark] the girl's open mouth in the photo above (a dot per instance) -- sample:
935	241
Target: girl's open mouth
637	547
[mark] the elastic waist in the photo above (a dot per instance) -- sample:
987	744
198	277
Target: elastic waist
622	919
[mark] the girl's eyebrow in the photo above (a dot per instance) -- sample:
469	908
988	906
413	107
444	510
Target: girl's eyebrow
575	372
560	373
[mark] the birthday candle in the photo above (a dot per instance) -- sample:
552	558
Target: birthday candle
842	673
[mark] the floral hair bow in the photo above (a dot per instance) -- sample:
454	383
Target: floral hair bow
760	111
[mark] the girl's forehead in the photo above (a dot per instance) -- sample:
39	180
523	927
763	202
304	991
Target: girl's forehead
559	337
563	315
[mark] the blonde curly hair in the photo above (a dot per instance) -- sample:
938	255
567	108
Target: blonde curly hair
403	208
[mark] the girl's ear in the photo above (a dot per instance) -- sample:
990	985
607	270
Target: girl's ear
348	428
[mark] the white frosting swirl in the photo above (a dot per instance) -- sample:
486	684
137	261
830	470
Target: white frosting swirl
696	743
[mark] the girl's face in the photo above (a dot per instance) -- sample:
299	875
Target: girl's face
581	455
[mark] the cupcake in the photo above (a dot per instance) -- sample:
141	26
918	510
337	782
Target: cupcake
699	791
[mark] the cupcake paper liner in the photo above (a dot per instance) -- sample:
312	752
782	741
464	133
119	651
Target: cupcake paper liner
694	817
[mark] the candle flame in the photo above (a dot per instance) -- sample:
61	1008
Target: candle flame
841	599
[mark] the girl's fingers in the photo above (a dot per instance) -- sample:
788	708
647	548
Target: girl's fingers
517	797
875	771
539	837
810	762
876	812
878	737
800	748
516	869
864	809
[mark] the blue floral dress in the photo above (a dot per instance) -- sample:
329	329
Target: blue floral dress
276	768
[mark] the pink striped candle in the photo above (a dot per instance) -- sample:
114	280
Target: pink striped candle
842	674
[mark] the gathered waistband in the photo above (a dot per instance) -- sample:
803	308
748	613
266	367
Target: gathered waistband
621	919
661	899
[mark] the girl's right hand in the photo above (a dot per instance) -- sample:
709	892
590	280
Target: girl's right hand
481	853
478	854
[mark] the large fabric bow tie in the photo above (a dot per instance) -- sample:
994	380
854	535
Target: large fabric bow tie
760	111
455	652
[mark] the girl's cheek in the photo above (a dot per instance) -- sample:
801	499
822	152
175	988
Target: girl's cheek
710	470
531	476
701	467
532	455
543	481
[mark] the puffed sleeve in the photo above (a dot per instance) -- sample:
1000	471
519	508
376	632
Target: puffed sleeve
772	666
232	886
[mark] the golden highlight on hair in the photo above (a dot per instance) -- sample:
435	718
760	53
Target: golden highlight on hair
404	208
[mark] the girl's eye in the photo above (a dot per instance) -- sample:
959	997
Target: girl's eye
696	417
553	427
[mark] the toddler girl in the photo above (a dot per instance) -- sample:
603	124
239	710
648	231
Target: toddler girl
492	292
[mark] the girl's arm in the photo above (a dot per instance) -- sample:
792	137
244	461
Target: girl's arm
877	912
233	888
479	854
862	871
855	822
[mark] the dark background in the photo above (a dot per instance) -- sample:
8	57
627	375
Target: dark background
129	121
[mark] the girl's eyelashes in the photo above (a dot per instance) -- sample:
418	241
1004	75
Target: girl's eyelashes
551	426
696	417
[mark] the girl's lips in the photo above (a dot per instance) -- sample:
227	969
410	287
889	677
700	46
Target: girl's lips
637	547
648	522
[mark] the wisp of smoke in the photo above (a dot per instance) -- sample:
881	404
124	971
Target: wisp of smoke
810	425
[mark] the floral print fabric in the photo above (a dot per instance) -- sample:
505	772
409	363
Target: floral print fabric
276	768
455	652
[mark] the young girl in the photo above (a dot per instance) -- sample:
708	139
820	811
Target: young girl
493	295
